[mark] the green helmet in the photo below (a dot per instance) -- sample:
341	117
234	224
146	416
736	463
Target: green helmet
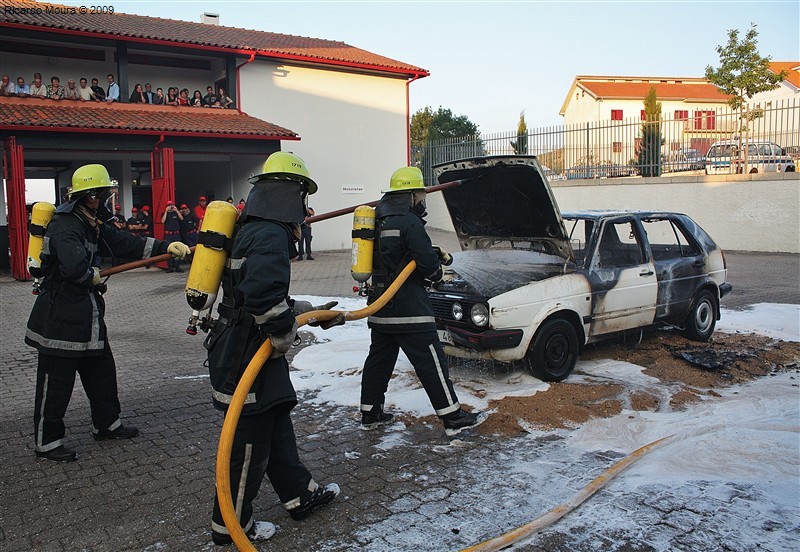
89	177
406	179
284	165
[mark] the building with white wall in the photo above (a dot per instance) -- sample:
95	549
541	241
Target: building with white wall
603	114
344	110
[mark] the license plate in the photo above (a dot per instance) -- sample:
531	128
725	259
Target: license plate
445	337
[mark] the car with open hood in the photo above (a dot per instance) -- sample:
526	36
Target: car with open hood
532	285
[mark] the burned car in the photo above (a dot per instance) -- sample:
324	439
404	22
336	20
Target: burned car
533	286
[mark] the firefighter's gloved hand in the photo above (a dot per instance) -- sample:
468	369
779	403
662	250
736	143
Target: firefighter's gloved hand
282	343
444	257
337	320
299	307
178	250
96	279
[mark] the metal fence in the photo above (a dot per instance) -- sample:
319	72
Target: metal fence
630	147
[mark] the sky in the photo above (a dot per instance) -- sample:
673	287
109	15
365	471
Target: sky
493	60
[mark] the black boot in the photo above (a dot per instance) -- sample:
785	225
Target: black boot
122	432
374	420
59	454
319	497
460	420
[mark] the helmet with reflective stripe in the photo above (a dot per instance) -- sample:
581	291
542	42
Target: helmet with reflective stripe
89	177
406	179
282	165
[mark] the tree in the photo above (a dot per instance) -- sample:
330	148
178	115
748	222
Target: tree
520	145
742	74
649	160
440	136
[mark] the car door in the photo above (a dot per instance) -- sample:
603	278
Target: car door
623	279
679	263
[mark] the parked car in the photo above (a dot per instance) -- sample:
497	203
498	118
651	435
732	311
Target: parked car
723	157
606	170
552	175
532	286
684	159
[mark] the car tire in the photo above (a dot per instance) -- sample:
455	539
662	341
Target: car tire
554	352
702	318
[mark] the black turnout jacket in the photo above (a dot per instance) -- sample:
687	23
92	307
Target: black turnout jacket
400	238
255	305
68	316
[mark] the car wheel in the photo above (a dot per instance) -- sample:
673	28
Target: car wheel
554	352
702	318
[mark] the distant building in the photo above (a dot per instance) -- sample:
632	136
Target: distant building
608	110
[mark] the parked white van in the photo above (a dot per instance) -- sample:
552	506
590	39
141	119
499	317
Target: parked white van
762	156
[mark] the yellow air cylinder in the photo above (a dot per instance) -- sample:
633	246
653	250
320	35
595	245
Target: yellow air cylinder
41	215
363	243
210	255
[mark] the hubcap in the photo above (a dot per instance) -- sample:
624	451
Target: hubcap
703	317
557	350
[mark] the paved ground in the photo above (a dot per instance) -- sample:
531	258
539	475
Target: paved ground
153	493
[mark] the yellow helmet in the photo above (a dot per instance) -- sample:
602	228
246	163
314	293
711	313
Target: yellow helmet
89	177
406	179
285	165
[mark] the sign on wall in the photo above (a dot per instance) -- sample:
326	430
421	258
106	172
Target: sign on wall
352	189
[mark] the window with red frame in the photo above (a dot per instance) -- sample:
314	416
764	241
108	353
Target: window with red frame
616	147
616	114
681	114
705	120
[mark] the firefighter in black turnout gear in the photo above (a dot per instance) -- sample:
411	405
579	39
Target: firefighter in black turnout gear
67	324
256	306
407	321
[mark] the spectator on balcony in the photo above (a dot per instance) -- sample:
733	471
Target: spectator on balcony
197	99
7	88
85	93
55	91
37	88
183	98
158	97
210	98
22	89
223	100
149	95
172	96
71	91
99	93
112	95
137	96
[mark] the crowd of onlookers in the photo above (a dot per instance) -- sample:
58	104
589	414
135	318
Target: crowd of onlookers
95	93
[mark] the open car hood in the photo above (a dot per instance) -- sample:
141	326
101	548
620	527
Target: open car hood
503	201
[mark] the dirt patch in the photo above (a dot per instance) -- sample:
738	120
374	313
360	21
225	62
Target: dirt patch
563	405
687	372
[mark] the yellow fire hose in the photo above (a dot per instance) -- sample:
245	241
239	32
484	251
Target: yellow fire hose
550	517
243	388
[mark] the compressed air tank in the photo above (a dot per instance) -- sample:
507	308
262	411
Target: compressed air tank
363	243
41	215
210	255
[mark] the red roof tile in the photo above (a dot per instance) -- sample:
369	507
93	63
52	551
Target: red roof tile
137	27
664	91
65	115
791	67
